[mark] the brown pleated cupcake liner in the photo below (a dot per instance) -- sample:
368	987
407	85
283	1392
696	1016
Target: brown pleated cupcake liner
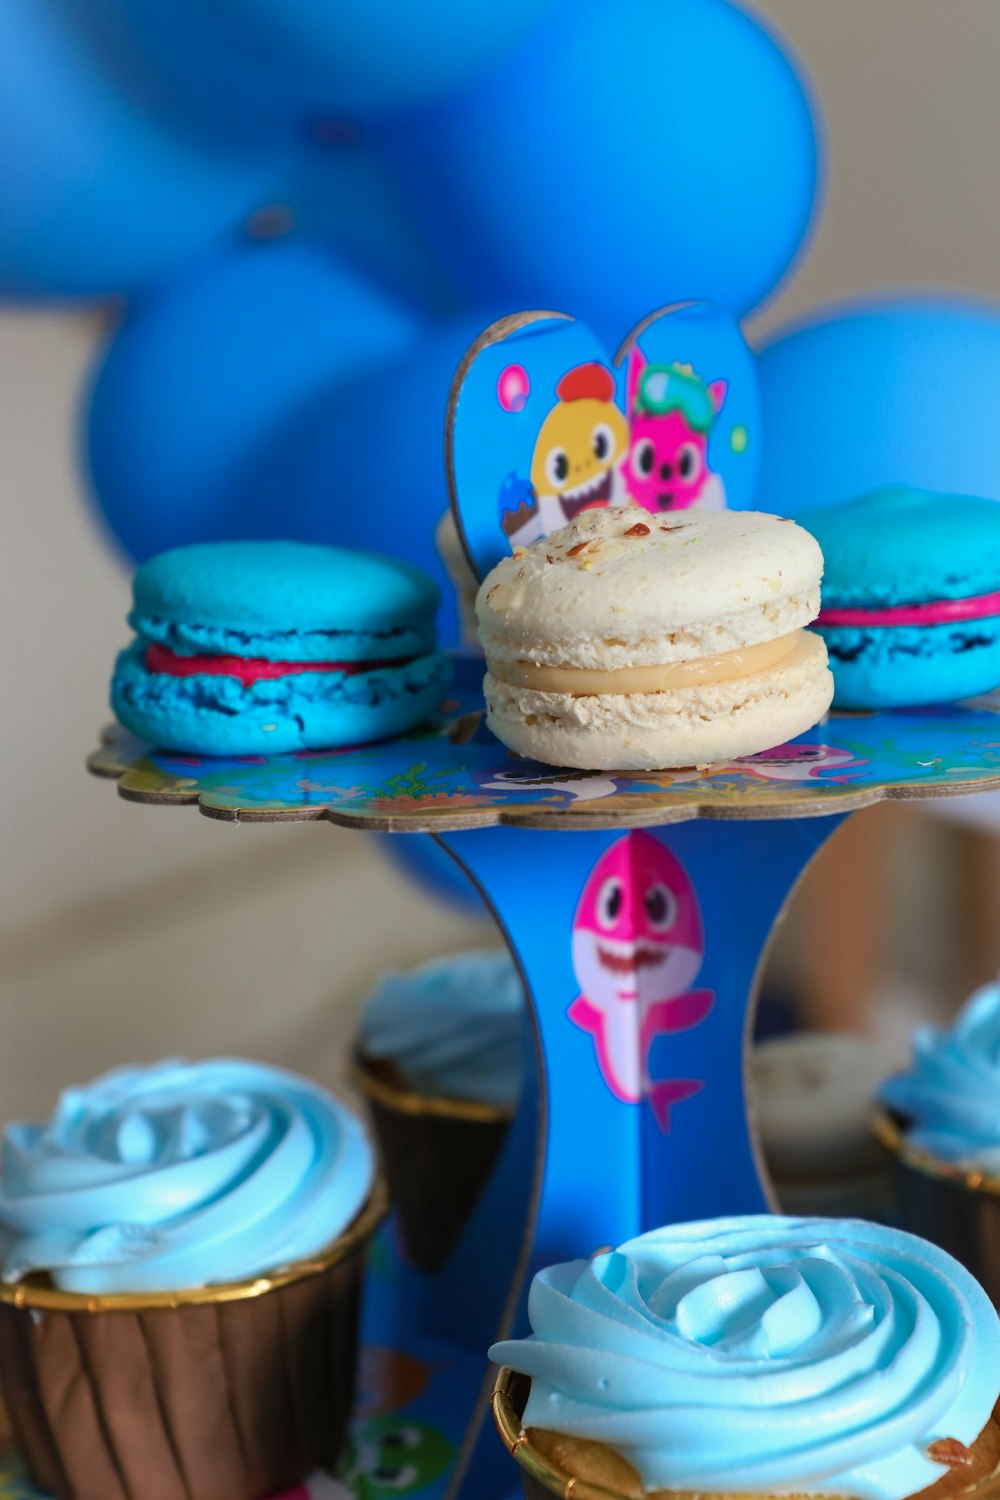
542	1476
235	1392
437	1155
954	1207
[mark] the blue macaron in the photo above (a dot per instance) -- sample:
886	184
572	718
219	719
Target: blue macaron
249	648
911	597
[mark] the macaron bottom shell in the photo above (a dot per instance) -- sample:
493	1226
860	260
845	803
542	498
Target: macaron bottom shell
213	714
664	730
907	666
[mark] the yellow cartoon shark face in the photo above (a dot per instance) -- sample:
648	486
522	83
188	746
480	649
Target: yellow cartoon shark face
579	447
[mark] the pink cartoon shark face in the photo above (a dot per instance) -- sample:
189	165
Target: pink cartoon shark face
637	945
671	412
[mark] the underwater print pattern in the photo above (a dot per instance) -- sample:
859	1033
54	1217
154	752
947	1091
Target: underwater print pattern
453	774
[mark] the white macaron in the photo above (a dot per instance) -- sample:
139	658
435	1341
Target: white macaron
630	641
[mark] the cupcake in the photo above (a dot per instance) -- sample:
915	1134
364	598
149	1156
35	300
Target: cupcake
439	1057
632	642
941	1122
758	1356
813	1096
181	1251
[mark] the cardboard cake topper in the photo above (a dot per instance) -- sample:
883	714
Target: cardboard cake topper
543	423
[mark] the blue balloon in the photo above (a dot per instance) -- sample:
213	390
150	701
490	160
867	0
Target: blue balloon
627	156
102	187
881	392
364	465
431	867
282	61
195	396
383	53
343	195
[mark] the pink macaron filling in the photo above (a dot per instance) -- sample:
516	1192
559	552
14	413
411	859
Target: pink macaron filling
936	612
252	669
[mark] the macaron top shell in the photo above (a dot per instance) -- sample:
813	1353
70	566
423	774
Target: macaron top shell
619	587
284	601
900	546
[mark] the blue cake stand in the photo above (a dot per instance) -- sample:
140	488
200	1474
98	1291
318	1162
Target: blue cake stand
640	939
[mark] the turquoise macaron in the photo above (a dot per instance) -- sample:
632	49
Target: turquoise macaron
911	597
250	648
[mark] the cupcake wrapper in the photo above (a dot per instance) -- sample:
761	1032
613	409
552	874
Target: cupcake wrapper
954	1208
233	1399
534	1489
541	1479
437	1157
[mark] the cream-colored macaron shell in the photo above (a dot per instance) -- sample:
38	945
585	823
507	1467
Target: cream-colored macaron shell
699	583
619	588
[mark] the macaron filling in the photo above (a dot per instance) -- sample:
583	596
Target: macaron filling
935	612
584	682
248	670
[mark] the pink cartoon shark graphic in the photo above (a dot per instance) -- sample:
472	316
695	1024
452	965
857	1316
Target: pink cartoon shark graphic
637	945
827	763
801	763
671	412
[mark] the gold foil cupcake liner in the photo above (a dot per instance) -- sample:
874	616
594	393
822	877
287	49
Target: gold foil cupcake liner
955	1207
438	1155
539	1475
235	1392
37	1291
394	1095
893	1137
542	1478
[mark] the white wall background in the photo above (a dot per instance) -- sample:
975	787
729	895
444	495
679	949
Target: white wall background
126	932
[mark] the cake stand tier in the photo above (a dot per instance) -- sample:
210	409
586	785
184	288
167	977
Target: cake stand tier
456	775
640	941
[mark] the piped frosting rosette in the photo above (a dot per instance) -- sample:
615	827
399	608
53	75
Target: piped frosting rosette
764	1354
950	1096
453	1027
180	1175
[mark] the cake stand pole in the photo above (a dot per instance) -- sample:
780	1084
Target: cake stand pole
641	953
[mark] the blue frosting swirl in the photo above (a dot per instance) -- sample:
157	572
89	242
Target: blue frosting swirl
764	1354
180	1175
453	1028
950	1097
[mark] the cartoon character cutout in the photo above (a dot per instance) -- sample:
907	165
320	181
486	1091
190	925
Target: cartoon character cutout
578	456
394	1456
671	412
638	944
